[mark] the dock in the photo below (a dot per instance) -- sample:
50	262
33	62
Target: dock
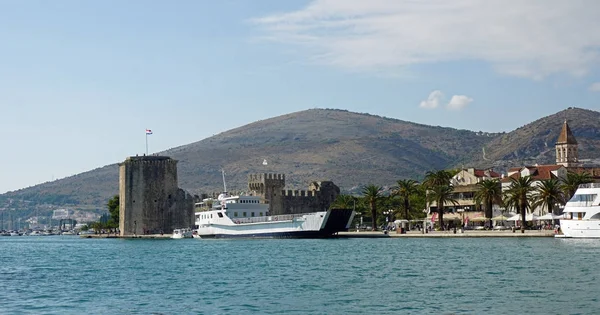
444	234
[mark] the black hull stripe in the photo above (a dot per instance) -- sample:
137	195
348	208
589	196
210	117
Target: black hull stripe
298	234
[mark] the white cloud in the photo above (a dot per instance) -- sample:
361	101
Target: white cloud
458	102
433	101
533	38
595	87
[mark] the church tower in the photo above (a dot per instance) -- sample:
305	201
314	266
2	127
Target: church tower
566	148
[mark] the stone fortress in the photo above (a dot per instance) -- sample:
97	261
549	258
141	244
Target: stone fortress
318	197
150	201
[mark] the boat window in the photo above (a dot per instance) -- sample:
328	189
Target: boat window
211	215
583	198
580	215
235	214
244	213
220	214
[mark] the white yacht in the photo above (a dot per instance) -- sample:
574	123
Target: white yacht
581	217
248	217
182	233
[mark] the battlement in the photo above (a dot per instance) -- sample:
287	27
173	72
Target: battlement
147	159
265	176
298	193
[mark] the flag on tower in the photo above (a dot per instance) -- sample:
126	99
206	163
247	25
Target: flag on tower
148	131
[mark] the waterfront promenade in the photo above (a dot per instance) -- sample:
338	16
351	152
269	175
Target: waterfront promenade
380	234
440	234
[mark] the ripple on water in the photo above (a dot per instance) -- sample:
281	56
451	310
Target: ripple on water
68	275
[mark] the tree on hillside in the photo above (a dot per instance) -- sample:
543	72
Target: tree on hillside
518	195
572	181
113	210
489	192
405	189
372	193
548	194
439	190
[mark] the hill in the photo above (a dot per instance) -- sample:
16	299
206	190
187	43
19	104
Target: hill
534	142
351	149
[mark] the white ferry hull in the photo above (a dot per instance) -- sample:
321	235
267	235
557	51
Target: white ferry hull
579	229
310	225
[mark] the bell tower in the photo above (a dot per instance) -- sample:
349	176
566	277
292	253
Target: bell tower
566	148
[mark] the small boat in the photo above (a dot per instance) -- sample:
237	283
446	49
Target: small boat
182	233
581	216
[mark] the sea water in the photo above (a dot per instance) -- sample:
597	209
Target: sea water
70	275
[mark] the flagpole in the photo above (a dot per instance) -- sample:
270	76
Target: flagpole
146	142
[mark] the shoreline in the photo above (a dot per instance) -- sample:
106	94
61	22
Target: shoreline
442	234
378	234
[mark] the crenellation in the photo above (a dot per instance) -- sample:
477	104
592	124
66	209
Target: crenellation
318	197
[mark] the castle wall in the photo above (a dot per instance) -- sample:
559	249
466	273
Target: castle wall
150	200
270	187
318	197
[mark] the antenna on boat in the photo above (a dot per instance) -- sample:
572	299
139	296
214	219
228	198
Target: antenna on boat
224	184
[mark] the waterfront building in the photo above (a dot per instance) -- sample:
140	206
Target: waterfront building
465	186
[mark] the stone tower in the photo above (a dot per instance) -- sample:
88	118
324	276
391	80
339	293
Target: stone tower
270	187
150	202
566	148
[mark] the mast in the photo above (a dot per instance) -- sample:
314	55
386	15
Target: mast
224	184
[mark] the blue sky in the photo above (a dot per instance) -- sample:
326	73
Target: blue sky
80	81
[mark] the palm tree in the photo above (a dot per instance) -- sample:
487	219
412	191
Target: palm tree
441	177
489	192
405	189
344	202
441	194
439	190
548	193
372	193
517	196
572	181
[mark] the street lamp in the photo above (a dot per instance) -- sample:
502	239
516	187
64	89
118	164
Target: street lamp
387	216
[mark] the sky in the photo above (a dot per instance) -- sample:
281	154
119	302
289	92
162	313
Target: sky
81	81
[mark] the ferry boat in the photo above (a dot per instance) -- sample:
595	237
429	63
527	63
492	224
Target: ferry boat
581	217
248	217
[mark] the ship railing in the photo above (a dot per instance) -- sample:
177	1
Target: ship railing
590	185
271	218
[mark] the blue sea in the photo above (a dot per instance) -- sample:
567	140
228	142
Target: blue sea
69	275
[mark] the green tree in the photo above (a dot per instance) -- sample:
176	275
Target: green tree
113	210
437	178
547	194
441	194
372	193
439	190
344	202
518	195
405	189
489	192
572	181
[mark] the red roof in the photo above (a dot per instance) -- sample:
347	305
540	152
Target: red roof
539	172
481	173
